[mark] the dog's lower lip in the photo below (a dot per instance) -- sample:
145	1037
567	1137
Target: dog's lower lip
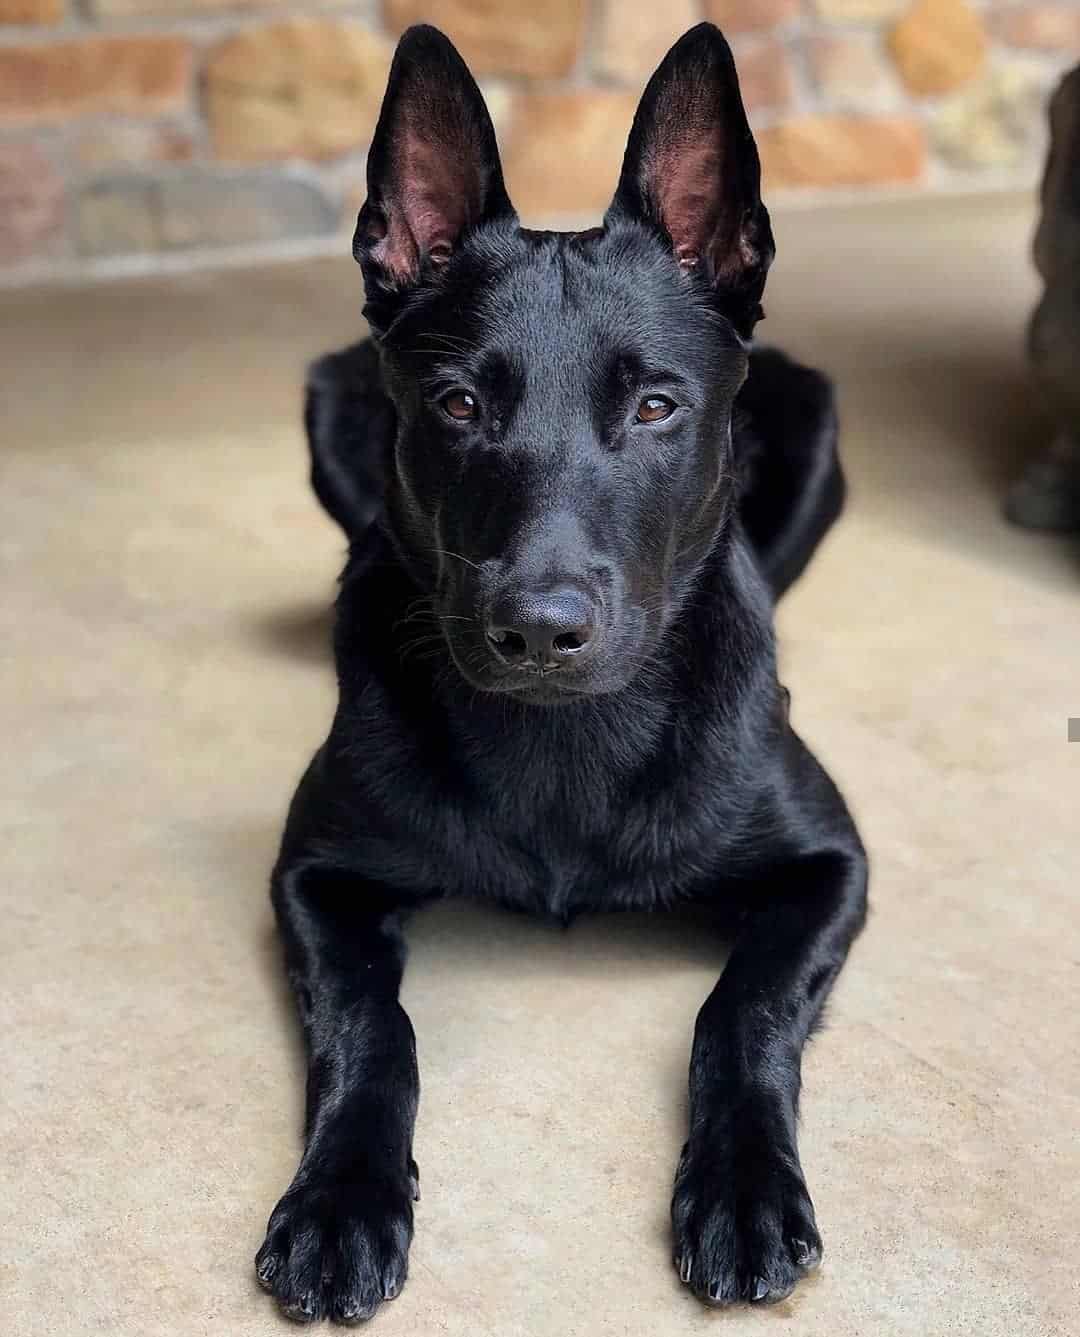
531	684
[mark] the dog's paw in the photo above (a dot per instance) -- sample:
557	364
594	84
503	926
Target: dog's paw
337	1246
743	1225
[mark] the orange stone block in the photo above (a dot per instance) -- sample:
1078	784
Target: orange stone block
31	11
736	16
842	151
305	88
564	151
938	45
521	37
59	82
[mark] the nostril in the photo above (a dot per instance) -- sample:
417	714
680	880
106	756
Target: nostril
541	630
571	642
511	645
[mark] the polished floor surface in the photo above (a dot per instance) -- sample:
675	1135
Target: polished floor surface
162	637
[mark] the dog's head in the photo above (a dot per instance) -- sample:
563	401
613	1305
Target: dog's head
563	457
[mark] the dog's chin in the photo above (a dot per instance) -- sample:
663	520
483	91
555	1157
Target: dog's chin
530	689
551	690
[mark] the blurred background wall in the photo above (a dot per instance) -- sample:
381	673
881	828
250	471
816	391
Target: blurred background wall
143	134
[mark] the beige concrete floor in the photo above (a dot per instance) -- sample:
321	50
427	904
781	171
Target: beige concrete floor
164	679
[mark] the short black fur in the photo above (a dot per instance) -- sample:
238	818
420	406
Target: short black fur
555	653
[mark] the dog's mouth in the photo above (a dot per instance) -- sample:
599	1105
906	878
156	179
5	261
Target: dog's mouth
539	687
534	685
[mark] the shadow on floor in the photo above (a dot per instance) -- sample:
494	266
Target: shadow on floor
946	431
495	943
482	942
301	632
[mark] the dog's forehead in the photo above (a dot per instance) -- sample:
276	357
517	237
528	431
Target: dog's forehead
573	295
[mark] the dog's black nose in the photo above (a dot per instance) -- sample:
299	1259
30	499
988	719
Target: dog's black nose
543	629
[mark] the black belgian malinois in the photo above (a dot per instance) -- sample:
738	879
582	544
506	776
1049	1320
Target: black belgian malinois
560	459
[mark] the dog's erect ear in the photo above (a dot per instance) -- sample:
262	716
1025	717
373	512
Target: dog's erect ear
692	170
433	169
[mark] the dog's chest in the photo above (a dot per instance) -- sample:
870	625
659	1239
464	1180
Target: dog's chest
572	849
558	821
555	874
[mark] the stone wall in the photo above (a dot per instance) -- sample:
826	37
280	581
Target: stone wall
148	133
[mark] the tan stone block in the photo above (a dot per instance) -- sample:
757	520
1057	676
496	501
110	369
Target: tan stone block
859	11
736	16
118	9
115	145
201	208
305	87
117	218
1043	27
31	11
564	151
938	46
765	77
499	98
122	9
634	37
353	197
841	151
196	207
524	37
849	70
126	75
31	203
993	124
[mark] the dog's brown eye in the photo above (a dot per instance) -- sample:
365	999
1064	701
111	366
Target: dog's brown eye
655	409
460	405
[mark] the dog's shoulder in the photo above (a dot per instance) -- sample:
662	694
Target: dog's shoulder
350	423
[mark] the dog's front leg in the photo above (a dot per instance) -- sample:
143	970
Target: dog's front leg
337	1243
743	1221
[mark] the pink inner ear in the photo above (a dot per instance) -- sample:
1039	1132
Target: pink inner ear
396	251
437	195
689	186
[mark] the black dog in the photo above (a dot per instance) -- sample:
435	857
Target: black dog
537	468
